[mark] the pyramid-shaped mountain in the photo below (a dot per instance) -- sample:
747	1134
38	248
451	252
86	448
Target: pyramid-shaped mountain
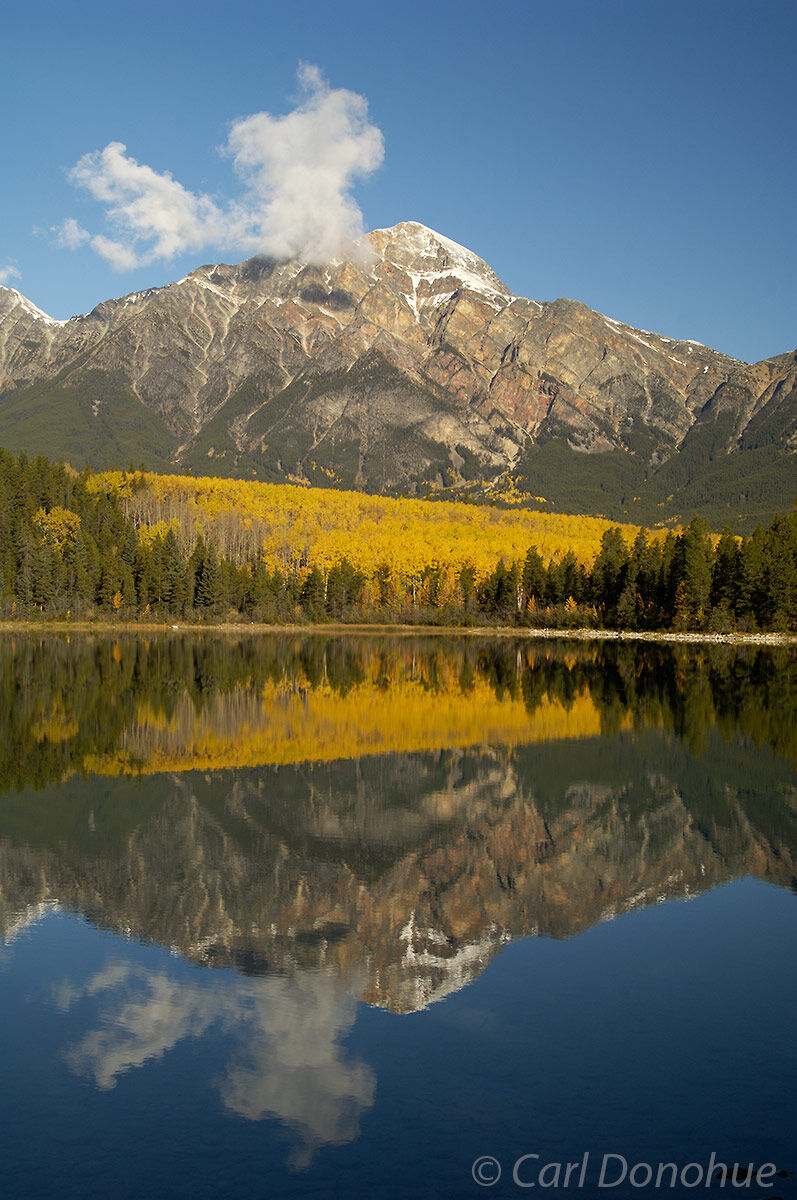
408	367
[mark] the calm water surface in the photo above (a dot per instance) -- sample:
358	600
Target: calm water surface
340	917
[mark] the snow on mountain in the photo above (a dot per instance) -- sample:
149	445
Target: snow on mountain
16	304
408	365
434	262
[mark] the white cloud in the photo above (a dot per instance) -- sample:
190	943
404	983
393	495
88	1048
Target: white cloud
71	235
298	171
8	272
155	216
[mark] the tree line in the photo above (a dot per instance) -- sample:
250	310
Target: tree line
70	549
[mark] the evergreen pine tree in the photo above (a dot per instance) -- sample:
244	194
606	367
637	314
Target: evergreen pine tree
313	596
533	578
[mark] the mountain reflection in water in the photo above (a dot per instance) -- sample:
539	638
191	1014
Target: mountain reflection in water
330	821
390	812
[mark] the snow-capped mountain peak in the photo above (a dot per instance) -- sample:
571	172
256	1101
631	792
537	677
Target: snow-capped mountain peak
434	261
13	302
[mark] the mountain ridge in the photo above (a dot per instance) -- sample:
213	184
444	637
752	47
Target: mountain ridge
408	367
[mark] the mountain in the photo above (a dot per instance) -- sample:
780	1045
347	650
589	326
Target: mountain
407	368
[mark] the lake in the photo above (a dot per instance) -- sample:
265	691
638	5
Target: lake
427	916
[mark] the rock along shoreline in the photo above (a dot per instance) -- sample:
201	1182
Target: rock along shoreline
338	630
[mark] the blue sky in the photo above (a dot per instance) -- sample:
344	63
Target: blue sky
636	155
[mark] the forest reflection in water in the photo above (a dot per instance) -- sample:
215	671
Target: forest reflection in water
134	704
410	804
336	820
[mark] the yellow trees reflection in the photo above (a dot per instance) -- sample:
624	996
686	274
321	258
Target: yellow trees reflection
291	722
130	705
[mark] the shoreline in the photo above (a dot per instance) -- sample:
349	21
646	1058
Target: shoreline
339	630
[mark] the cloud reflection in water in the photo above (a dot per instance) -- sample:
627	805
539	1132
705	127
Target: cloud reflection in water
289	1064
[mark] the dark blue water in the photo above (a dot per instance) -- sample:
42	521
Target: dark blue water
553	966
661	1036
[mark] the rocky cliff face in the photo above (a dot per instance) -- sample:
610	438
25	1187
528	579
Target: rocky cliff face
409	367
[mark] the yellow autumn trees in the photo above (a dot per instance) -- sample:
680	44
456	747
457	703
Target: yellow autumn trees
58	526
418	545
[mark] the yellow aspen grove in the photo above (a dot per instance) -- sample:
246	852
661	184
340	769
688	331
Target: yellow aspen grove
293	529
59	527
